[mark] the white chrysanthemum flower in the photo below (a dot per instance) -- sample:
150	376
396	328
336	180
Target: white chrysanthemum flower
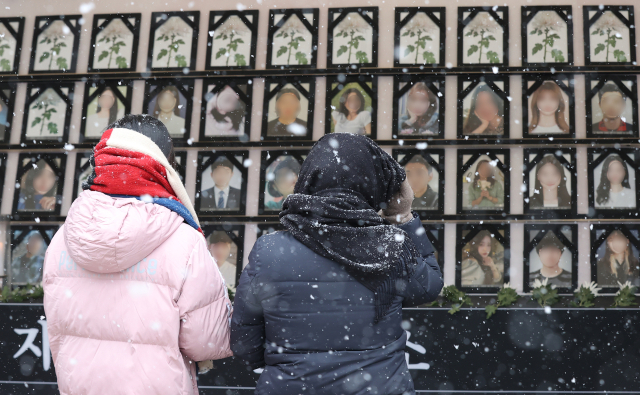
507	285
293	24
175	25
547	20
623	286
592	286
609	21
420	22
232	25
49	97
483	21
58	29
353	22
116	28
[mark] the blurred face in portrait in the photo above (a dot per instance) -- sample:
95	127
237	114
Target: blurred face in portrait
221	176
285	181
484	170
418	102
44	181
616	172
220	251
550	256
34	245
549	176
612	105
227	100
484	247
288	106
617	243
486	107
548	102
167	101
353	102
106	100
418	177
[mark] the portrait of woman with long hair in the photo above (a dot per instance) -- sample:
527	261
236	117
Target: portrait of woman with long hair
485	191
38	188
351	116
486	113
550	188
107	112
547	113
614	189
421	113
167	110
618	264
483	265
225	114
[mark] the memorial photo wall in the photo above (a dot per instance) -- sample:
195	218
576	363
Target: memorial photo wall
517	176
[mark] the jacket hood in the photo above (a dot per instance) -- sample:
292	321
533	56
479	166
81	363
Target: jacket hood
104	234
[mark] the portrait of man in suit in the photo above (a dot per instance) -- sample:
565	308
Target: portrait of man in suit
221	196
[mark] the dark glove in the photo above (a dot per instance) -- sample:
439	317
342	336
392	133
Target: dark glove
398	209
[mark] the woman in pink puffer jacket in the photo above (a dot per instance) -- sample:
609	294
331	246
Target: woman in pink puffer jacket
132	295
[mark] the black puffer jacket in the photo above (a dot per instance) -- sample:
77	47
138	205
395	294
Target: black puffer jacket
310	324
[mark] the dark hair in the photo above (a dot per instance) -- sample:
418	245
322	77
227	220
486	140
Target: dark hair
473	122
564	199
287	90
176	94
630	263
474	254
606	88
113	111
222	161
419	159
343	100
236	116
491	179
219	236
29	192
604	188
287	163
421	121
549	240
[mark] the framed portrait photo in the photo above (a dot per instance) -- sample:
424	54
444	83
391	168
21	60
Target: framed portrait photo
47	112
548	106
609	34
11	33
232	39
114	42
613	182
483	107
55	44
435	233
425	172
484	36
612	105
28	247
278	176
418	107
351	105
550	253
482	257
547	35
615	255
39	184
293	38
82	172
221	182
288	108
419	36
483	181
353	37
550	182
170	100
173	40
105	101
226	109
226	245
7	105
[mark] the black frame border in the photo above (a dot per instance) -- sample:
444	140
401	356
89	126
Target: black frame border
565	13
252	26
75	30
100	87
30	99
10	102
16	241
361	80
398	92
594	162
439	167
597	241
267	157
22	169
592	92
309	94
195	26
187	92
401	22
18	36
247	98
490	81
502	21
568	89
238	240
615	9
464	166
312	28
373	22
96	29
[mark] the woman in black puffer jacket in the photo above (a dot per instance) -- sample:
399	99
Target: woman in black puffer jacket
319	306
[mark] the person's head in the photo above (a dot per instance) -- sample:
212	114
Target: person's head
618	250
41	180
550	175
484	171
480	248
34	243
612	101
168	100
614	172
229	108
549	250
108	101
419	173
287	103
221	171
485	104
421	102
285	177
351	101
220	246
548	100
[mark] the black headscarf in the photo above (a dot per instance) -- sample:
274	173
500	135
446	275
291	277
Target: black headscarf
343	183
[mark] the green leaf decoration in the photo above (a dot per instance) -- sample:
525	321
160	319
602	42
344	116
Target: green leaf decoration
5	65
221	52
557	55
43	57
599	48
181	60
62	63
409	49
361	56
240	61
301	58
53	128
429	57
283	50
121	62
493	57
537	48
36	121
342	49
472	49
103	55
619	55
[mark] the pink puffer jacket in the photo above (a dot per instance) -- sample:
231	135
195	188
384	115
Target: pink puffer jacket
132	299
